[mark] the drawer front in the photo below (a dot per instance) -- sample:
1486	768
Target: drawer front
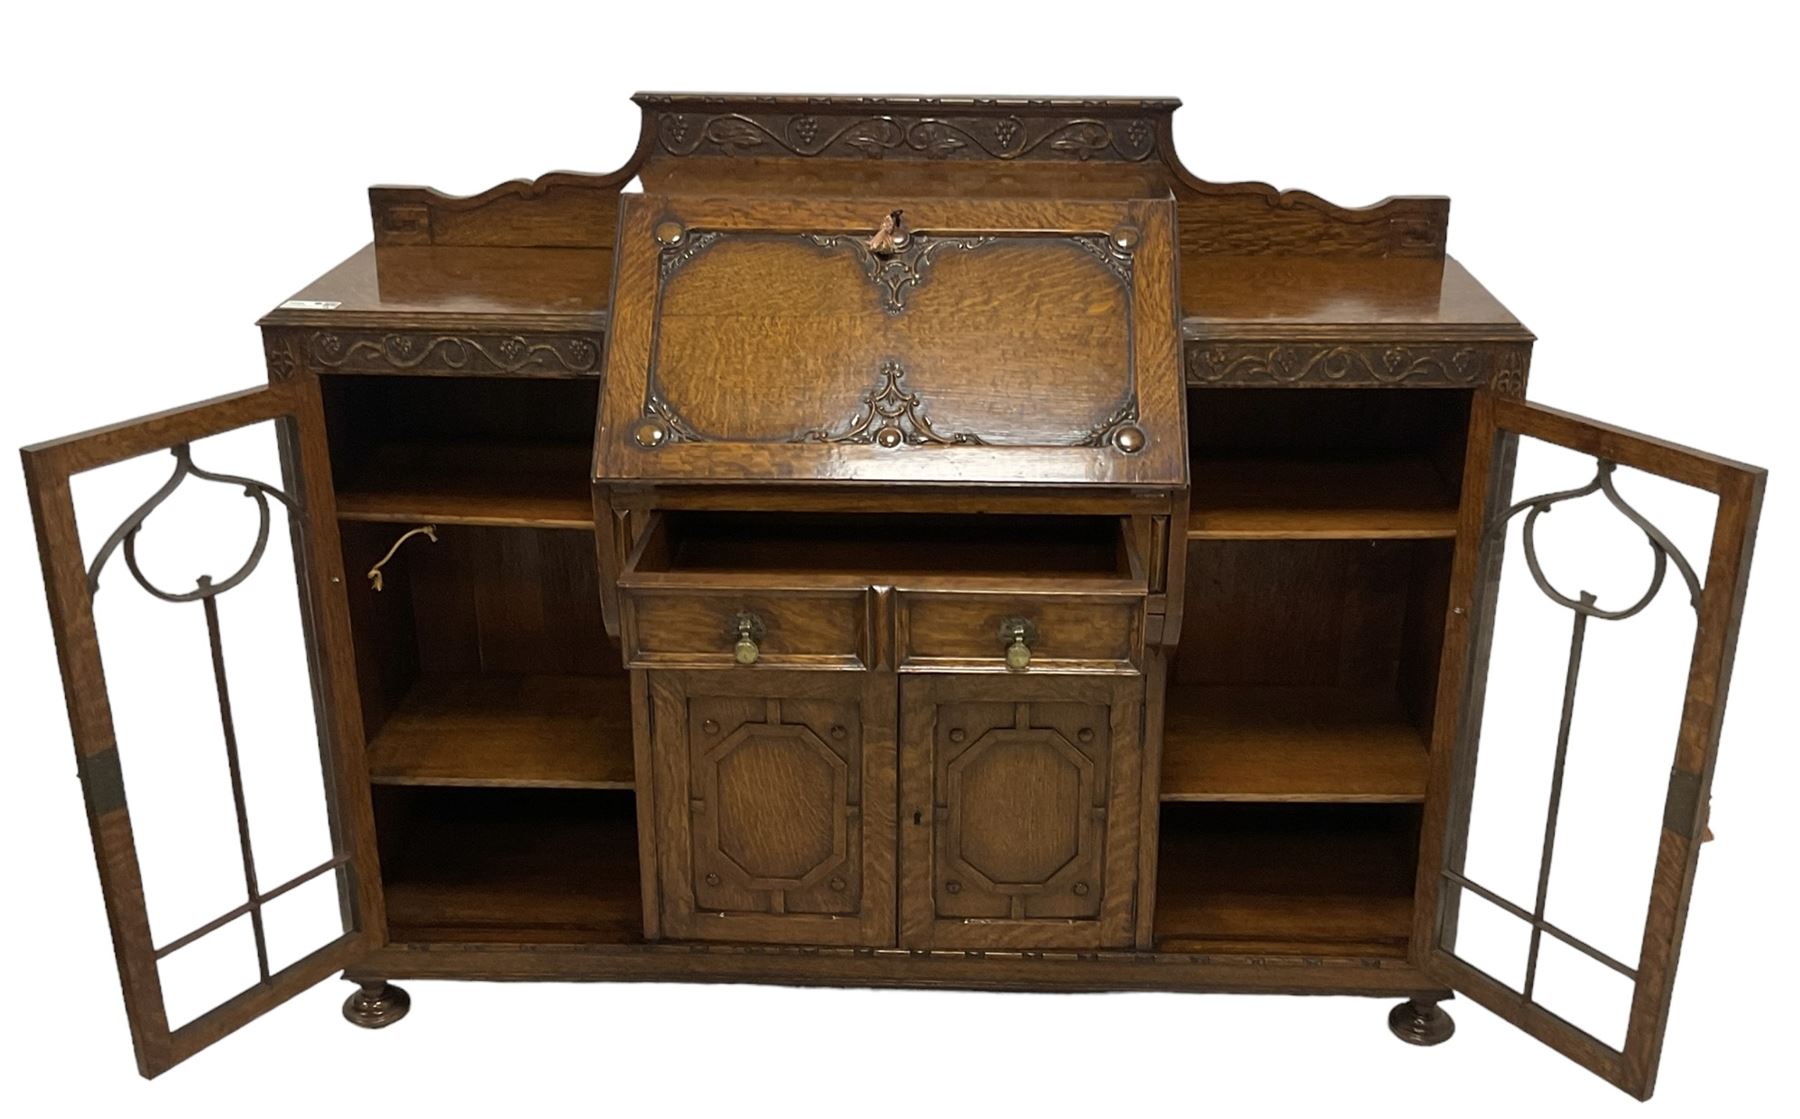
787	628
944	630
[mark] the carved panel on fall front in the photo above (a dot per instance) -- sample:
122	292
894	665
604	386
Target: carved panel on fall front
774	800
814	338
1025	801
900	339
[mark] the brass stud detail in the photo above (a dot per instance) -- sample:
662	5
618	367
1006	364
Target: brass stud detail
669	233
1085	734
710	726
1081	889
837	884
957	734
1125	238
838	732
712	880
953	887
1130	438
650	432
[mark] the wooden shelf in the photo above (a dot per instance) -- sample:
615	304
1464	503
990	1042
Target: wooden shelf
1402	498
507	865
520	731
1290	744
1286	880
471	483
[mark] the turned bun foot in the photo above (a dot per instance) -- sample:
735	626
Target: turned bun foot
374	1005
1420	1022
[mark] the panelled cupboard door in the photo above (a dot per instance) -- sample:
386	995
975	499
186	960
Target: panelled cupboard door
1019	810
223	902
1570	801
774	806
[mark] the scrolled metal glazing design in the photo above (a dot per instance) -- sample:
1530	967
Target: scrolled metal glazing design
1583	606
206	592
1661	548
205	586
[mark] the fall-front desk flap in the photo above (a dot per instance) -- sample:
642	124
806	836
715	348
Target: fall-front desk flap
893	340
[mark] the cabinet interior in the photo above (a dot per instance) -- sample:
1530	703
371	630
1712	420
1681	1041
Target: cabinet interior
463	450
511	865
497	715
887	544
1287	879
1301	694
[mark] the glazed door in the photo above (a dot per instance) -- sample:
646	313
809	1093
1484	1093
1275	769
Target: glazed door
1554	890
774	803
1019	808
218	756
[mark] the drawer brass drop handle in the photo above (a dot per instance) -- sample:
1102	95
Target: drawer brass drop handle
1017	634
427	531
749	632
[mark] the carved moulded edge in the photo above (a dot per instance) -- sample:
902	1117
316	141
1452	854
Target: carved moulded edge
1499	366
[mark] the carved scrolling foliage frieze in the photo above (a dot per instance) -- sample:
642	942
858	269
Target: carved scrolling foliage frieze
875	136
897	274
425	352
1500	367
890	416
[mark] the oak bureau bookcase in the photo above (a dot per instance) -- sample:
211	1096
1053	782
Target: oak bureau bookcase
908	542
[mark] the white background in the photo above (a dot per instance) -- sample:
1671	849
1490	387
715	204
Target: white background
1620	180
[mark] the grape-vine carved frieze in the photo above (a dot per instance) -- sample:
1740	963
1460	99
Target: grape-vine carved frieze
974	136
349	351
1444	365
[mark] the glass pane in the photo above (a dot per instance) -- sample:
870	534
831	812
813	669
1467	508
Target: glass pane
1491	939
201	975
303	920
1596	828
1583	992
166	703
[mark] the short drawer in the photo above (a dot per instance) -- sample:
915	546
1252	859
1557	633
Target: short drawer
801	628
1095	632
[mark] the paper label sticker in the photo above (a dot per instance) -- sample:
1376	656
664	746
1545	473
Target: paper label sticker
310	305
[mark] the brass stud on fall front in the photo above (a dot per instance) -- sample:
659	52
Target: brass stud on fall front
1129	438
669	233
650	433
1125	238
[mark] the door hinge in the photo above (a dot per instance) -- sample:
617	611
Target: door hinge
1682	811
102	781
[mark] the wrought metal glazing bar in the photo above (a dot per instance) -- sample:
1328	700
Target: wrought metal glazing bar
1662	549
126	533
1556	787
224	919
1524	914
235	768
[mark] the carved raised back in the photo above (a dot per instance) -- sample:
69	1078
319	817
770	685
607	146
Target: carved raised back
994	147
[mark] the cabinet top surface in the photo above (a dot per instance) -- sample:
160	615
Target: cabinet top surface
1225	297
